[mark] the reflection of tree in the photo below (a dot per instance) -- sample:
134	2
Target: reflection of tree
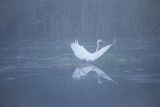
80	73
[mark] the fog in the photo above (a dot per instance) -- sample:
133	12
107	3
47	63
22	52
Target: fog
39	69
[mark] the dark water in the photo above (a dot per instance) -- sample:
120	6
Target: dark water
37	63
32	74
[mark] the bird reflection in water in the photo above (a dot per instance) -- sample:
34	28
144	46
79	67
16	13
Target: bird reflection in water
83	54
80	73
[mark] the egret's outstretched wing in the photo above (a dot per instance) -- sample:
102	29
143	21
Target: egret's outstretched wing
99	53
79	73
80	51
101	74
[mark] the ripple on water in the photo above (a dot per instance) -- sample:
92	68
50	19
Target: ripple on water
140	78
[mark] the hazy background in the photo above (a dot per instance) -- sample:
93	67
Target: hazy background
56	20
36	62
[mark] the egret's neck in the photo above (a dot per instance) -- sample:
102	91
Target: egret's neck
97	46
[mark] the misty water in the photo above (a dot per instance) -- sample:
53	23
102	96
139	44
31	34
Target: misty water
40	74
39	69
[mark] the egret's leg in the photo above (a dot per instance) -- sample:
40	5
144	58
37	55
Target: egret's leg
99	81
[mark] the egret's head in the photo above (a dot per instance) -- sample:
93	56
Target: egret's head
99	41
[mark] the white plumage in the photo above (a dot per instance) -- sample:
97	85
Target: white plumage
81	53
80	73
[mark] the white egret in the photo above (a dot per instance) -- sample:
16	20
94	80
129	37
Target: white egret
81	53
80	73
